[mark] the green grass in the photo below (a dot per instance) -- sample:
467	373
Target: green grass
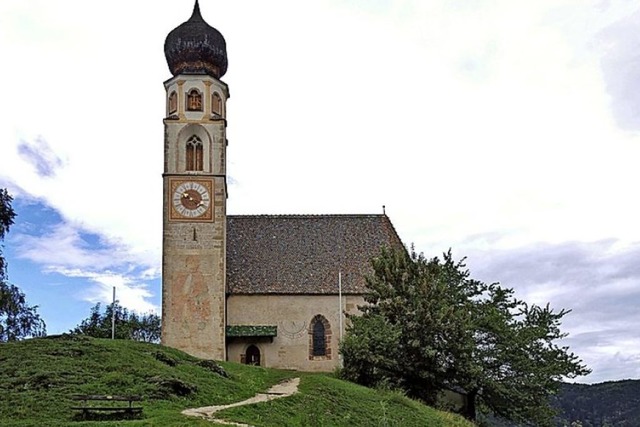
327	401
38	377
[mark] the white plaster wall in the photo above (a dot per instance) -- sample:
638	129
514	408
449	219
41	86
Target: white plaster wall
292	315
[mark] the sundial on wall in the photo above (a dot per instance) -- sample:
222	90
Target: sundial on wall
293	330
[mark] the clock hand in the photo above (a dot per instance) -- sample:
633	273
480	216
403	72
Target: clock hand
187	196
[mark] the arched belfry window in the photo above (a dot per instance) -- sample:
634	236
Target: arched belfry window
194	100
194	158
173	102
216	104
319	338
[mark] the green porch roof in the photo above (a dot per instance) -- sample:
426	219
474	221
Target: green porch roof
252	331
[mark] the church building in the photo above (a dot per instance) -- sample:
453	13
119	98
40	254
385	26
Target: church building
270	290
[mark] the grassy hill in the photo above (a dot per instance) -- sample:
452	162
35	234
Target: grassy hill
38	377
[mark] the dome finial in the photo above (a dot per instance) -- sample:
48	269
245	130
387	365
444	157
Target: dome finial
196	15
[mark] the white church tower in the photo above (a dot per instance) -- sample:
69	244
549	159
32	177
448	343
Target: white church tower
195	190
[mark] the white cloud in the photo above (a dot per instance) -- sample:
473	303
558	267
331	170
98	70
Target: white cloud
63	246
131	295
64	250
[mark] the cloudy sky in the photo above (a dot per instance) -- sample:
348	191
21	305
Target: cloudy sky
507	130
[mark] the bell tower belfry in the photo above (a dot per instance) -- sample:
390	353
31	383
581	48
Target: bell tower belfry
195	190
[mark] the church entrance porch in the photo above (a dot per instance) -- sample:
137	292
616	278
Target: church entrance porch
243	341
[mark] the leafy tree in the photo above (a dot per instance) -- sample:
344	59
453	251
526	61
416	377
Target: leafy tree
129	325
7	215
17	319
428	327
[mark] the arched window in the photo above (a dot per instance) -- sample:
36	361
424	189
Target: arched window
319	346
319	338
194	158
216	104
173	102
194	100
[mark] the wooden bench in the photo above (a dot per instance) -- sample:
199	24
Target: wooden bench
86	407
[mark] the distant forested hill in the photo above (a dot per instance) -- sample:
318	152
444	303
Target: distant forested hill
609	404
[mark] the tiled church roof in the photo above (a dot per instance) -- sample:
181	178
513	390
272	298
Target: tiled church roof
302	254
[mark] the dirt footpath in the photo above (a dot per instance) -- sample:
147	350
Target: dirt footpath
278	391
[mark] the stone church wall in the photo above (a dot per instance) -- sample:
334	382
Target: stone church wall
293	315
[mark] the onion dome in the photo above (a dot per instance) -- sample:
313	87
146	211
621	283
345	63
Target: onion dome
195	47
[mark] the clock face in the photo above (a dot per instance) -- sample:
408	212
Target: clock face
191	200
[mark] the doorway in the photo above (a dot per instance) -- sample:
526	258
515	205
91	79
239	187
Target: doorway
252	356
